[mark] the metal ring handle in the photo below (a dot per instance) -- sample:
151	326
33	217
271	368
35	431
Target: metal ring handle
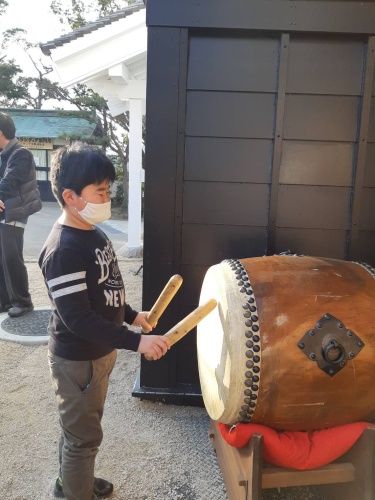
327	350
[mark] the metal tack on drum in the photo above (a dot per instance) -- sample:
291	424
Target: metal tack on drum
238	276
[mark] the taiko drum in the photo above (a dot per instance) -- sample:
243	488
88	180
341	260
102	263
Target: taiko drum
291	344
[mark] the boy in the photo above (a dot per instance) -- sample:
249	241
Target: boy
88	310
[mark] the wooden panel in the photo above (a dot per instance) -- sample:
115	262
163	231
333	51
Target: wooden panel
278	142
371	133
180	149
161	151
227	114
364	127
241	467
210	244
159	231
277	477
317	163
315	242
318	207
369	177
325	118
193	278
325	66
228	160
365	247
361	456
212	65
288	15
226	203
367	216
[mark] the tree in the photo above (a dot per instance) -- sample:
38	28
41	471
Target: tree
11	88
114	129
21	90
3	6
37	90
82	11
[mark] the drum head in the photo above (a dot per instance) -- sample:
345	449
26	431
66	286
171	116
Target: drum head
222	355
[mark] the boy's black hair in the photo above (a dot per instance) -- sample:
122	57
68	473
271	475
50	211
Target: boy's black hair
77	166
7	126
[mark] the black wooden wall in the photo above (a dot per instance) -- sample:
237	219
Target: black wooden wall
260	139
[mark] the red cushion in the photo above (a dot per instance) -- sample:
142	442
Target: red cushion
297	450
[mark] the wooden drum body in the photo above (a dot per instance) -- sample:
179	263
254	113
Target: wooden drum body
291	344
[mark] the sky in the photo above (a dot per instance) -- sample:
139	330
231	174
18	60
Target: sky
34	17
40	24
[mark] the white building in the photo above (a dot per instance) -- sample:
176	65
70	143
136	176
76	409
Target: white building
109	56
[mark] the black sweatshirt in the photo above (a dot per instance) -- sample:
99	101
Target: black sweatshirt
87	293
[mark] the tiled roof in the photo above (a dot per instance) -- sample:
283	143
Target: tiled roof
46	124
90	27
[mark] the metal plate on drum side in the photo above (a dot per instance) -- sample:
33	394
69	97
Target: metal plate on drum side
330	344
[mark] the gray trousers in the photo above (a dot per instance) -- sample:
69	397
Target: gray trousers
14	283
81	389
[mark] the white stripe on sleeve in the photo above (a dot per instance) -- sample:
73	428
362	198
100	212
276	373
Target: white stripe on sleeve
66	278
68	290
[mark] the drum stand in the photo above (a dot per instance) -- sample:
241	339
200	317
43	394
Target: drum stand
350	477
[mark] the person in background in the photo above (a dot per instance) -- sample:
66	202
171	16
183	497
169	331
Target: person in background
19	198
89	309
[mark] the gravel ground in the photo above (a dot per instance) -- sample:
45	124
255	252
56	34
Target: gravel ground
147	449
150	450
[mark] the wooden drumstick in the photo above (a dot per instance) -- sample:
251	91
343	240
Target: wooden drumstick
164	299
188	323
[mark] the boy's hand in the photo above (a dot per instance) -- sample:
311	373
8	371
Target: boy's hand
141	320
154	345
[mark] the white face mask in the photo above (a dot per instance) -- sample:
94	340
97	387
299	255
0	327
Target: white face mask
94	213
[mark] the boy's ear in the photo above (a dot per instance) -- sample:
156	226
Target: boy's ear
69	197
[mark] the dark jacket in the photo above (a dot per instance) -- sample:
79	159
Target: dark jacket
18	187
87	292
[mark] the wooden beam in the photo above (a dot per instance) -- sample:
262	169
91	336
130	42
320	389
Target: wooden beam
277	148
287	15
119	74
350	477
277	477
362	140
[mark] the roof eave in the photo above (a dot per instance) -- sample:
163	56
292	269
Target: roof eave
50	45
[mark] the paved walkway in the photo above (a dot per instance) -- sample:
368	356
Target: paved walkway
27	329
